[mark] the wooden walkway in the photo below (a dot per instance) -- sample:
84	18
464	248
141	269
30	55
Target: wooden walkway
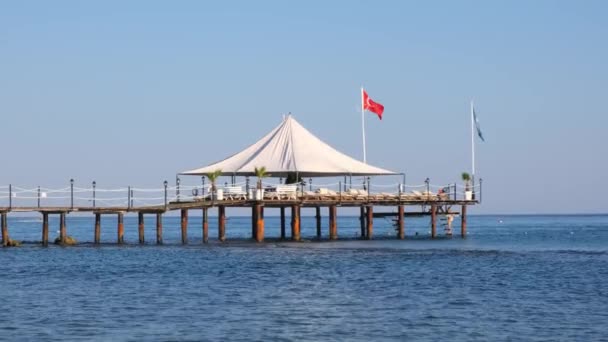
436	206
425	199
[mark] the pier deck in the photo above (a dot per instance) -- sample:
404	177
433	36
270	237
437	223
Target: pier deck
427	204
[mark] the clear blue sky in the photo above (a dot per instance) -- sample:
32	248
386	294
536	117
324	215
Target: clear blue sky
132	92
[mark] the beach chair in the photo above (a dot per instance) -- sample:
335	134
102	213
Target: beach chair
234	193
287	191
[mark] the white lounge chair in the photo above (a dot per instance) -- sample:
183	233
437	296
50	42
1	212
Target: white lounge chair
234	193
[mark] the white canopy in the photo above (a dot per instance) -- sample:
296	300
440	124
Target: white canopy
287	149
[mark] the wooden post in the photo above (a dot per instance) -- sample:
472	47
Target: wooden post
254	221
45	229
121	228
140	227
295	222
318	217
97	234
159	228
62	228
433	221
333	226
184	221
463	221
5	237
362	221
400	225
221	227
282	223
370	223
259	231
205	226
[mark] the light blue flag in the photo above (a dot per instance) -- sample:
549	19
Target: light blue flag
477	126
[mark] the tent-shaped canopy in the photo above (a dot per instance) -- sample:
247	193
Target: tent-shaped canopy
287	149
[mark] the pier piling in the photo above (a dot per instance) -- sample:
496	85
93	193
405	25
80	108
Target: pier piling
400	225
463	221
370	223
433	221
62	228
282	223
221	227
97	237
184	226
254	222
362	221
4	224
259	226
318	217
140	227
121	229
45	229
333	226
205	226
295	222
159	228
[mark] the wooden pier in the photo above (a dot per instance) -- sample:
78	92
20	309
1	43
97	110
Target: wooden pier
432	207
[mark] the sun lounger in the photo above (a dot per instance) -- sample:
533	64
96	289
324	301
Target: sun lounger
234	193
282	192
287	191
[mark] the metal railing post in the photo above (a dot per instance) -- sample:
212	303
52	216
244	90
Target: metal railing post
340	191
72	193
399	192
10	196
480	192
165	183
203	192
369	190
428	194
38	196
94	185
129	198
177	181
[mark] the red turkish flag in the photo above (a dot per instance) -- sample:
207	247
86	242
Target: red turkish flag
369	104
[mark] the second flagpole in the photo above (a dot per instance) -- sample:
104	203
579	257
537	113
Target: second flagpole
472	148
363	125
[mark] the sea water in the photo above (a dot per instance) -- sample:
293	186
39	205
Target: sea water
533	278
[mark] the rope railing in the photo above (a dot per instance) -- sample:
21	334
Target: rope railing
15	196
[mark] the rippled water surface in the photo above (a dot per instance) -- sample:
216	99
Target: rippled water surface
513	278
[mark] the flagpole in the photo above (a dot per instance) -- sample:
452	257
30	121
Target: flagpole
363	125
472	141
473	149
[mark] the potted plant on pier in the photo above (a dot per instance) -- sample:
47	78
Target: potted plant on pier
215	193
260	173
468	193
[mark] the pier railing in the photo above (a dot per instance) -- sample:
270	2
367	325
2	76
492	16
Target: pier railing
72	196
